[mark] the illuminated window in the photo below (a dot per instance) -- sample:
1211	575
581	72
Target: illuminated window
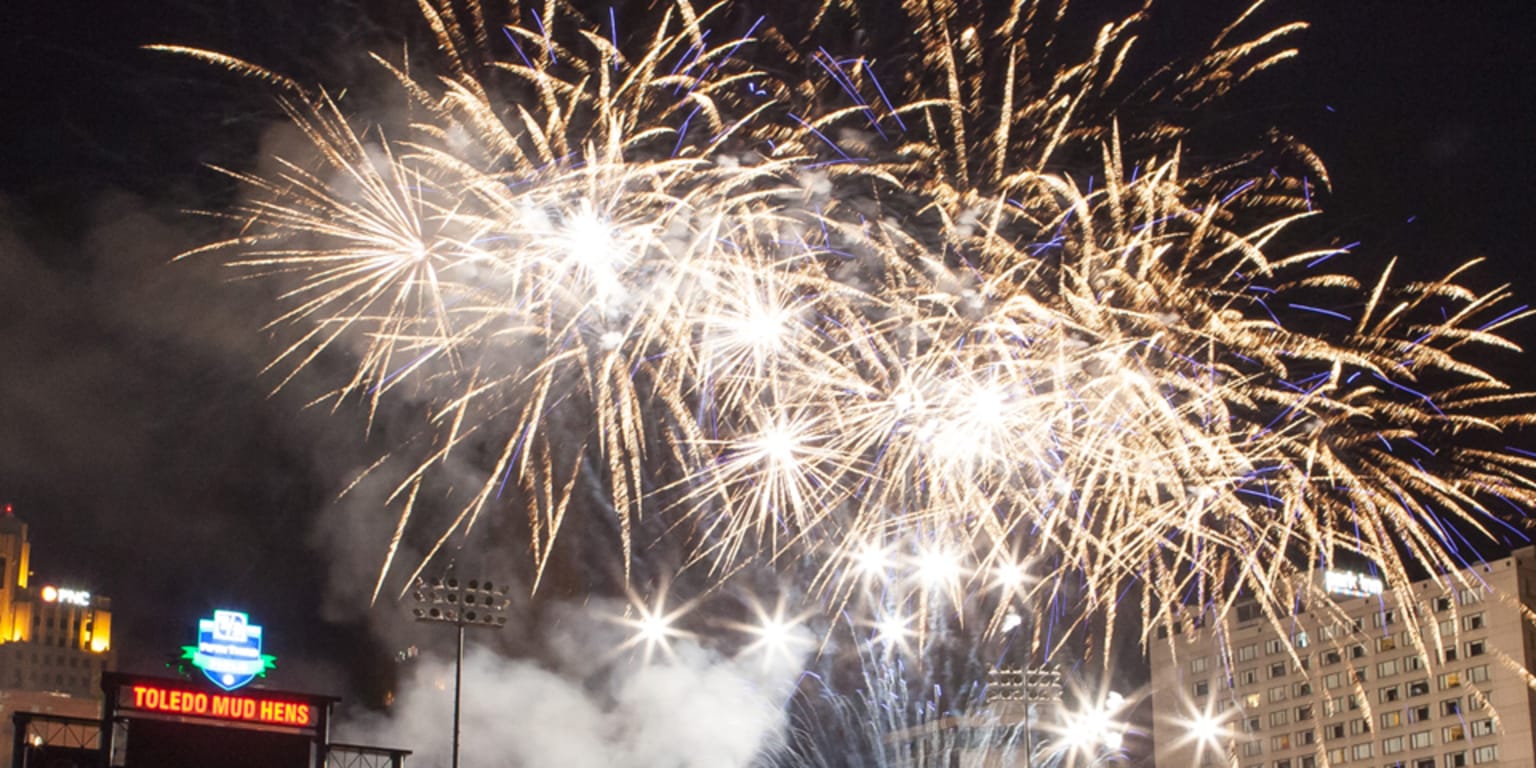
1391	719
1452	733
1277	743
1251	701
1386	644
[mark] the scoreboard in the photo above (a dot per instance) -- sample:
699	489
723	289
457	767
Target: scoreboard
171	723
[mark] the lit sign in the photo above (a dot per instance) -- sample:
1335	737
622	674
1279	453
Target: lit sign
221	706
80	597
1351	583
228	650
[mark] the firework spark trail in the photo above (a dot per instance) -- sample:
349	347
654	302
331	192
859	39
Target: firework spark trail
814	314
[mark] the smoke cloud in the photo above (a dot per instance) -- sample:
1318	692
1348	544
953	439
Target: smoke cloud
689	706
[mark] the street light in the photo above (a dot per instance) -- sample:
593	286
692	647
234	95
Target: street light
471	603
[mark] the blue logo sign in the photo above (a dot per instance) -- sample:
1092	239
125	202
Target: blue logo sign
228	650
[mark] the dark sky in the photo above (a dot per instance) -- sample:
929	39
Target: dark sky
137	434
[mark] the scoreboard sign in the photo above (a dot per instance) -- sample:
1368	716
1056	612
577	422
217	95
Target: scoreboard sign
254	708
188	723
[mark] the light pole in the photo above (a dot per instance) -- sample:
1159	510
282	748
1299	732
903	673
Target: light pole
1029	686
471	603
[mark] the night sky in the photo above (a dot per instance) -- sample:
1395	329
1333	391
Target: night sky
141	441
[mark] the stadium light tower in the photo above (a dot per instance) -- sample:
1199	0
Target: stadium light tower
463	604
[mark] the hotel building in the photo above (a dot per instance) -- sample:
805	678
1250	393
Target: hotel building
1358	693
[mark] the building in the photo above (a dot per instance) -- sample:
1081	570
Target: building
55	640
1358	692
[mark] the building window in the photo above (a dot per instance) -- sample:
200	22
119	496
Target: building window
1387	643
1248	677
1420	740
1450	707
1333	680
1487	753
1247	652
1456	759
1478	674
1413	663
1357	651
1336	756
1474	622
1470	596
1277	670
1277	743
1452	733
1251	725
1447	627
1304	738
1418	714
1301	689
1304	713
1361	751
1418	688
1442	603
1199	663
1358	726
1333	731
1476	648
1392	745
1331	657
1277	694
1391	719
1279	717
1483	727
1273	646
1252	749
1390	693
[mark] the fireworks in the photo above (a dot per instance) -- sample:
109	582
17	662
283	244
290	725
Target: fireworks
967	303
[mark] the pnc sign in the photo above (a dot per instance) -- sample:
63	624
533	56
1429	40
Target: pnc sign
79	597
228	650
